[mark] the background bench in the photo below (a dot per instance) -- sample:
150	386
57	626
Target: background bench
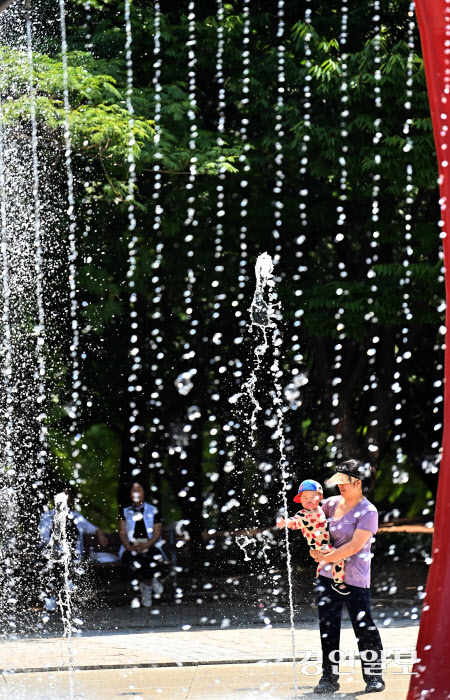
111	576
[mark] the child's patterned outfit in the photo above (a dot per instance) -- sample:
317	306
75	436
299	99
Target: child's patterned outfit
313	525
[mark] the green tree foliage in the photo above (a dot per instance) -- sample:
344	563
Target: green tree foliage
204	468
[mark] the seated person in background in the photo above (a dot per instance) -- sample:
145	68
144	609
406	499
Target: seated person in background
312	522
140	528
51	543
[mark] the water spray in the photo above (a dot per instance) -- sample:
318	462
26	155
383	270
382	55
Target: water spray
264	311
60	553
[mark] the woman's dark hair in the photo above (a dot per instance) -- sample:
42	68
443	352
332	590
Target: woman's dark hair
142	484
365	472
58	486
369	482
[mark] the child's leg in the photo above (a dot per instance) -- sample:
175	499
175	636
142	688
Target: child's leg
338	572
324	548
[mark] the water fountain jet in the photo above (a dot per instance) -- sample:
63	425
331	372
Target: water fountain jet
263	313
61	554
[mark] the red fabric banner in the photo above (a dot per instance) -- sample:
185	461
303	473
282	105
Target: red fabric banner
432	681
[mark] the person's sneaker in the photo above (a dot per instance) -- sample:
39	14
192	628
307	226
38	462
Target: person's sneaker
146	595
157	586
50	604
375	685
326	685
340	588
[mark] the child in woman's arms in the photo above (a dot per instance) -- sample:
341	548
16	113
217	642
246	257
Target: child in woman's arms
312	522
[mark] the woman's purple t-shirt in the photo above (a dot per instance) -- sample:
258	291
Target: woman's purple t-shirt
363	516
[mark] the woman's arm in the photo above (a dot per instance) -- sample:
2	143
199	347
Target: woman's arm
84	525
142	546
123	535
359	539
102	538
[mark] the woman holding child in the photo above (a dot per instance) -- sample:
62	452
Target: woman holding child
352	522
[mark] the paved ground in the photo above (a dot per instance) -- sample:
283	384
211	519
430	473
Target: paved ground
272	681
195	663
170	647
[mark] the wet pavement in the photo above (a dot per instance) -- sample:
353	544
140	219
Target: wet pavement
184	647
261	681
179	651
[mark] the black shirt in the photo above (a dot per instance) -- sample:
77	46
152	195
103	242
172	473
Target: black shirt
140	531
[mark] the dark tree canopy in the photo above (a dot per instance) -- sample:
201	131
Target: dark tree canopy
282	166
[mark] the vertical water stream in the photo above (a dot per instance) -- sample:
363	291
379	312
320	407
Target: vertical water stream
39	329
264	311
72	258
61	555
8	505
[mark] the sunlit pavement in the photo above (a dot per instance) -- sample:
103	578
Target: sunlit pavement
271	681
195	663
194	646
